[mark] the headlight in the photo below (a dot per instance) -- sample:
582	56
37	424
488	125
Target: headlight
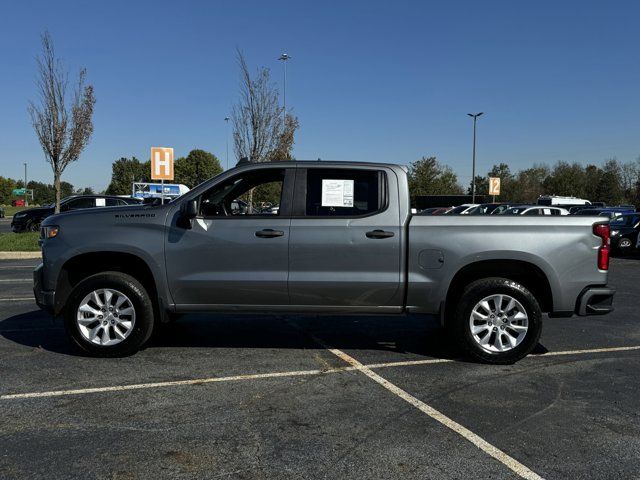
19	215
50	231
615	233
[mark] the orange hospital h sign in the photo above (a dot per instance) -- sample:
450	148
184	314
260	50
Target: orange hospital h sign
161	163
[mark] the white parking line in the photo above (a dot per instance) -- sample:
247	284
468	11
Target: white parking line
592	350
13	267
467	434
293	373
16	280
197	381
15	299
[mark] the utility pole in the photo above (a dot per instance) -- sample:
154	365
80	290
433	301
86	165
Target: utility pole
473	174
284	57
226	119
26	201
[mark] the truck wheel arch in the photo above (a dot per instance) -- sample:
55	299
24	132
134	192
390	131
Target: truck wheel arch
525	273
84	265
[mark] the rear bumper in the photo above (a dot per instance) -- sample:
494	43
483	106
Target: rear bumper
44	298
595	301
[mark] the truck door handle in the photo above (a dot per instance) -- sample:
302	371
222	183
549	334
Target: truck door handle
269	233
379	234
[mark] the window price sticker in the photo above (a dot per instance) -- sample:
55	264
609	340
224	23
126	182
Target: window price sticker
337	193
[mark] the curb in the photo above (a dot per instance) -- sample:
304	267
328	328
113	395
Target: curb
19	255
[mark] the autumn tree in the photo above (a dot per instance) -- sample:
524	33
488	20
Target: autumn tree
284	145
62	121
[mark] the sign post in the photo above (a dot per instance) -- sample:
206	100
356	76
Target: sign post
494	187
162	165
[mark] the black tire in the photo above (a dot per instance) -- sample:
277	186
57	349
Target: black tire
129	286
33	226
486	287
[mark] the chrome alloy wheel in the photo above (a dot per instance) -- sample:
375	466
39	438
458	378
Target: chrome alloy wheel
498	323
106	317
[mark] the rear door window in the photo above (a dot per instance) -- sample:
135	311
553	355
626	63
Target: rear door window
81	203
344	192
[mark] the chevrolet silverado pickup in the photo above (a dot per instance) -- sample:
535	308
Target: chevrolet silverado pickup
323	237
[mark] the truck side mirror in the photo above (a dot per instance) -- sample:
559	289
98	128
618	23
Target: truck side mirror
188	211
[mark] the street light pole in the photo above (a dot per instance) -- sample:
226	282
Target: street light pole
26	202
226	119
284	57
473	174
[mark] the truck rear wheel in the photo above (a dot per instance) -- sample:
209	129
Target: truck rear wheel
109	314
497	321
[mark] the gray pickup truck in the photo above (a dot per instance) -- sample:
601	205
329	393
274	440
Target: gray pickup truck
330	237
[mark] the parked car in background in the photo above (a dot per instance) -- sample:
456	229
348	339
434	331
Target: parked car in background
535	210
609	212
624	232
435	211
29	220
491	208
1	212
462	209
558	201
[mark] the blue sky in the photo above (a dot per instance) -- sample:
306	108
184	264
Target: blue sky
380	81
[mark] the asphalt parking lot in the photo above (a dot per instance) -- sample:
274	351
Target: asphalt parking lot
5	225
318	397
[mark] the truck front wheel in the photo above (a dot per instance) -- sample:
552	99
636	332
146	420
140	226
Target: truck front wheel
497	321
109	314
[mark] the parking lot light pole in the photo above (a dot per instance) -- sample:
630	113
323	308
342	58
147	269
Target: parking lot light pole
284	57
226	119
26	201
473	170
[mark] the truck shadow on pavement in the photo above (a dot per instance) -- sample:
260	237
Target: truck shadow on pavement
417	335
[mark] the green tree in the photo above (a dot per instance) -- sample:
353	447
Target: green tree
124	172
482	186
609	189
528	184
6	186
428	177
196	167
566	179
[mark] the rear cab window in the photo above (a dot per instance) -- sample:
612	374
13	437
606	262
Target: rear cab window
342	192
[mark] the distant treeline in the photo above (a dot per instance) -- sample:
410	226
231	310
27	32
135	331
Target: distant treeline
43	193
613	182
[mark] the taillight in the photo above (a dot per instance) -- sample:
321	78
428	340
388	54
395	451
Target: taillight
603	231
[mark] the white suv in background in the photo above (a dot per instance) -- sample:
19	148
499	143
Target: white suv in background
535	210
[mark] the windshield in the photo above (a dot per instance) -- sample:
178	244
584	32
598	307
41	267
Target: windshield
514	211
457	210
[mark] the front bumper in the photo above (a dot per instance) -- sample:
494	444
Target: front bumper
595	301
18	225
44	298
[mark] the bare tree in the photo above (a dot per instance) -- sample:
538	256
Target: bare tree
63	125
257	117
